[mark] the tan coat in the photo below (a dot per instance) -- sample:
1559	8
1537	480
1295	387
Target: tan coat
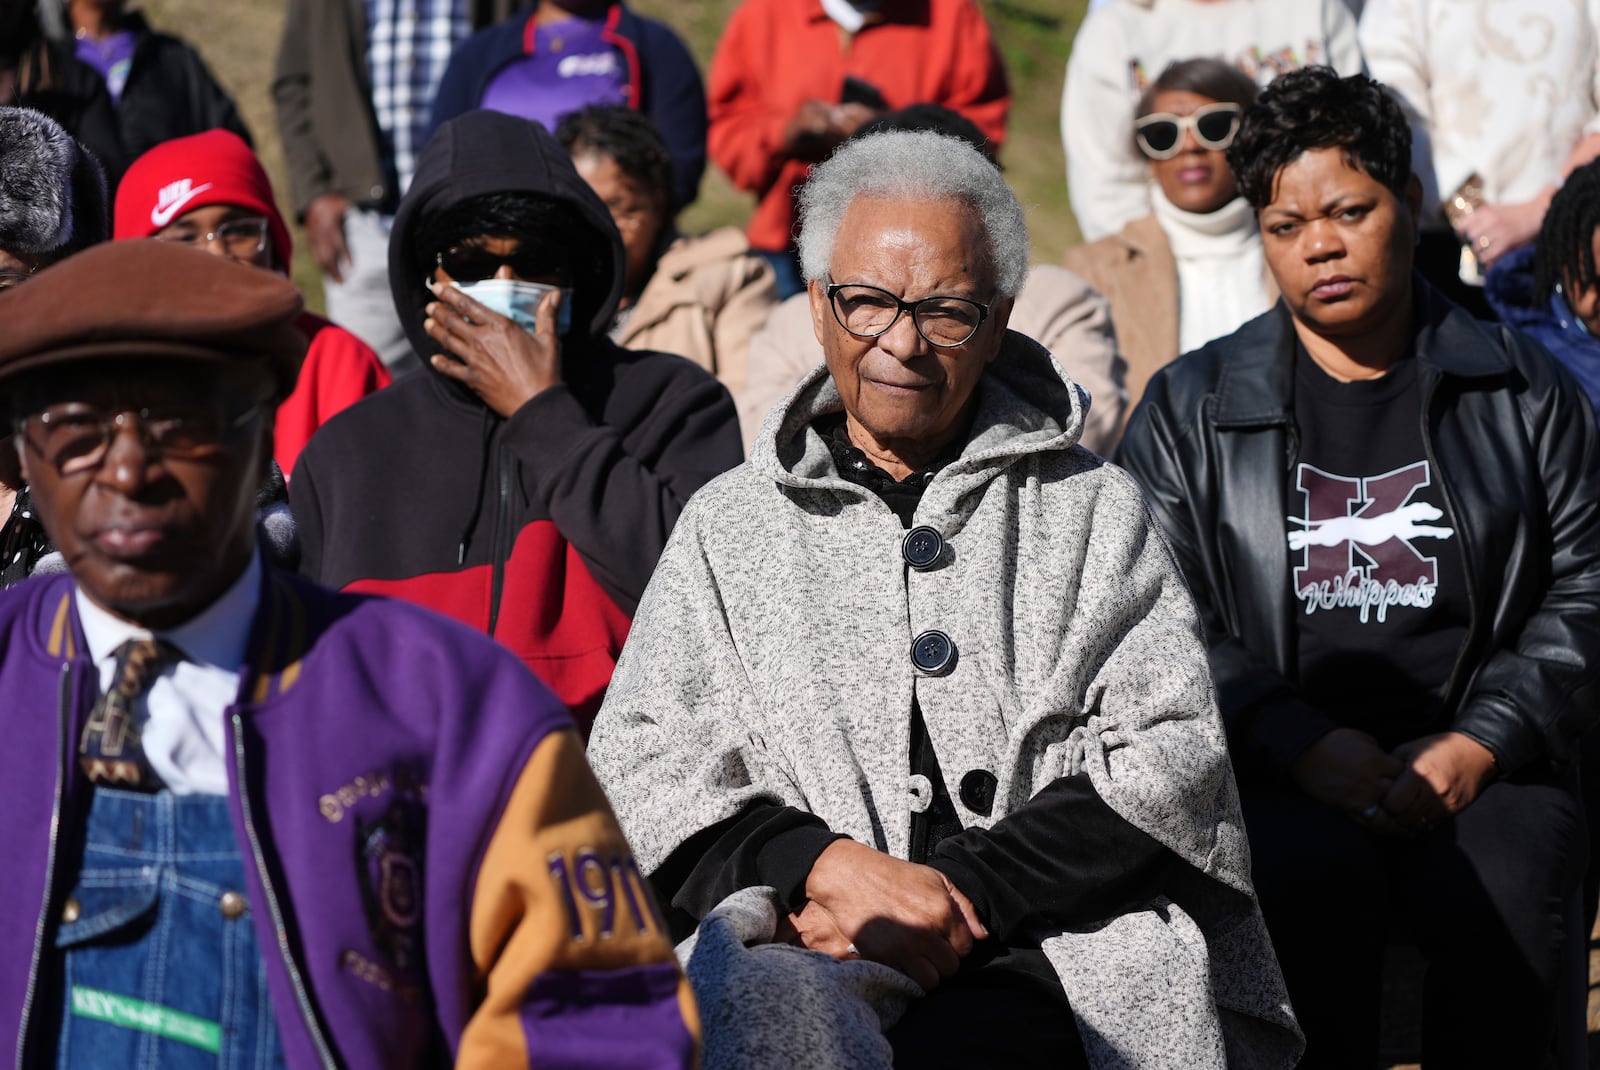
1055	308
706	298
1135	270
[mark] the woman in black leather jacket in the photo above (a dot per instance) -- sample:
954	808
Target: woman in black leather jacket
1388	515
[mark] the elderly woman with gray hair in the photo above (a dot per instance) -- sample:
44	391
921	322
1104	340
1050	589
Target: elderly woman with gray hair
914	729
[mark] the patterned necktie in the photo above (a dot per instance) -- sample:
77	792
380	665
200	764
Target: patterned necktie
111	751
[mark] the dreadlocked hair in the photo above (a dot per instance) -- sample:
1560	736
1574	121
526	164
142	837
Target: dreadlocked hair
1564	255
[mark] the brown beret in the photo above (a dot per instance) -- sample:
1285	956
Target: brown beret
151	299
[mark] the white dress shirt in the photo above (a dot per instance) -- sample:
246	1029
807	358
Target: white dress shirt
184	739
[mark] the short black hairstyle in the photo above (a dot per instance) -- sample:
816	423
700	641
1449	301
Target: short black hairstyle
625	135
934	117
1314	108
1210	78
557	225
1565	254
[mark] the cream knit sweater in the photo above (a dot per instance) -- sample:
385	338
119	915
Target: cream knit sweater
1504	88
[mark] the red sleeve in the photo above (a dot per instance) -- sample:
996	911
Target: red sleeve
979	88
339	370
745	100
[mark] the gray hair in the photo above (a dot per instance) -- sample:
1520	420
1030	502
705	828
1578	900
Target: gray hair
912	164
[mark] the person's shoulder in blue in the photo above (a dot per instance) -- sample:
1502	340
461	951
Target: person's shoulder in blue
1551	290
544	63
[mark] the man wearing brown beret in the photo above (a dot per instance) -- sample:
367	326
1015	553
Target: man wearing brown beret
249	820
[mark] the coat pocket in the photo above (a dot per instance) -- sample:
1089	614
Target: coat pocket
108	902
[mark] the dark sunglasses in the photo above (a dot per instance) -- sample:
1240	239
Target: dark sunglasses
533	263
1160	134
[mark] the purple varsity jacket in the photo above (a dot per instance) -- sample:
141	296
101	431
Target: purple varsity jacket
500	921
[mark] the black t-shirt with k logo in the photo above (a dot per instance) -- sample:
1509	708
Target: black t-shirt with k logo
1375	567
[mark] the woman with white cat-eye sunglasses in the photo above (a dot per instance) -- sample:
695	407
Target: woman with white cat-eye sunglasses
1191	270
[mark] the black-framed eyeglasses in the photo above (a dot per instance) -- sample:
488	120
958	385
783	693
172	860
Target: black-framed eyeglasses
1160	134
75	438
868	311
239	237
531	263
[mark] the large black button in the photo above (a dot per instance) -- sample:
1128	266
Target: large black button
933	653
977	791
921	548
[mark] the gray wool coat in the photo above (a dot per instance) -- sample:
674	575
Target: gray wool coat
770	660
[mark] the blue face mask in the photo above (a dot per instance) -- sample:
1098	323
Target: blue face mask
518	301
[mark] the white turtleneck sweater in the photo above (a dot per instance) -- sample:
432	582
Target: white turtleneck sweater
1222	276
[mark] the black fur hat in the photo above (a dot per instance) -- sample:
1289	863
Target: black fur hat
52	190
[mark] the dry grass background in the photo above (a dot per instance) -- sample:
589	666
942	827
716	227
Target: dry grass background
239	39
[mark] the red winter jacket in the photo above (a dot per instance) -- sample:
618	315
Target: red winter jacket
340	369
776	54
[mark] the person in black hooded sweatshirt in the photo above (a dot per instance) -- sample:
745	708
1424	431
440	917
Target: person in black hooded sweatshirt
528	484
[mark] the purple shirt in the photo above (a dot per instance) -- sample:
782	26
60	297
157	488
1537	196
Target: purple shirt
572	65
112	57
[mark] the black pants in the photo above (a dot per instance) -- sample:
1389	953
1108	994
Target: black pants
1005	1007
1485	897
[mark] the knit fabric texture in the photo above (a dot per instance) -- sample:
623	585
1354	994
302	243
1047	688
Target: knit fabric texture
770	660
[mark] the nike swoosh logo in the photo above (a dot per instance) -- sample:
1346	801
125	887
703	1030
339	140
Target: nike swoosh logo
162	216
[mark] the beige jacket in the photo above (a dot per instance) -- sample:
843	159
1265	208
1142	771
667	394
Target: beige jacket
1055	308
1136	272
707	297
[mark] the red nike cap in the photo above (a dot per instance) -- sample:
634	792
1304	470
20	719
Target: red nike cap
186	173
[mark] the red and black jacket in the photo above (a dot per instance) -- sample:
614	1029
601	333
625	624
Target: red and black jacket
543	529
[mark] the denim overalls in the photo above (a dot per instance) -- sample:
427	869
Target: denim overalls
159	957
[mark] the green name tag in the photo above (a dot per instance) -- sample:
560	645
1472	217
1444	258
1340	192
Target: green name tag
145	1017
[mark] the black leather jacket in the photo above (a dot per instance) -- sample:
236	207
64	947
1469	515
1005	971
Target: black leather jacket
1518	454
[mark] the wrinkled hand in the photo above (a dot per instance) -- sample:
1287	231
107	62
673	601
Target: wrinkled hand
1496	229
815	928
1346	769
502	363
897	913
1442	775
325	232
